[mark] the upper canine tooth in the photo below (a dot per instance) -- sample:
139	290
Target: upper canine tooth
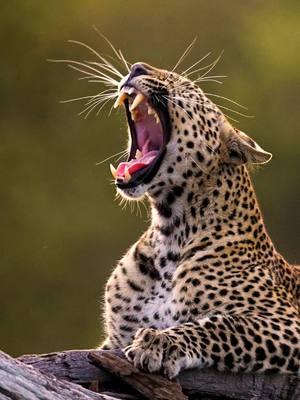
140	97
131	90
156	118
113	171
120	100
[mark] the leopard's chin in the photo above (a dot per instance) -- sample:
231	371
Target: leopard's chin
149	125
133	193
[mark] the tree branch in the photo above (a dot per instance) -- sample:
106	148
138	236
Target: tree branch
86	366
151	386
23	382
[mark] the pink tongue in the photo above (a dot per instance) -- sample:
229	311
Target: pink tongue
135	165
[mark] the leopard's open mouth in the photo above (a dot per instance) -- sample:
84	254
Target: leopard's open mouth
149	126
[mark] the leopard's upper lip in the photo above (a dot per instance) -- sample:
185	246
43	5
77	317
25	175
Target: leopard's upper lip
149	131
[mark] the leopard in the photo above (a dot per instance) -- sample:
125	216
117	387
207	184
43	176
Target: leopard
204	285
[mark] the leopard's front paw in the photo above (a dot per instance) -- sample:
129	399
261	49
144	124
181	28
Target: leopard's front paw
146	350
154	351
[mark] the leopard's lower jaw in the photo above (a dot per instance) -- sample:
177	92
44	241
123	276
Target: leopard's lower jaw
135	193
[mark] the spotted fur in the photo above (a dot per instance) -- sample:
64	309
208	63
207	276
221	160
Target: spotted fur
204	285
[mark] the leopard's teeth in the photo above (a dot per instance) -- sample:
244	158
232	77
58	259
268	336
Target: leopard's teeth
134	115
138	154
120	100
113	171
151	111
140	97
127	175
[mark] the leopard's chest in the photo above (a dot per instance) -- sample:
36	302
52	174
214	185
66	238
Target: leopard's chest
130	310
139	292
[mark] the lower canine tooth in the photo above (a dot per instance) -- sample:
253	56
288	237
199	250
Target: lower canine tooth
157	118
127	175
150	111
138	154
113	171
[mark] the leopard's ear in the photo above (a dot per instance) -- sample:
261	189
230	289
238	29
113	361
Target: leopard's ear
239	148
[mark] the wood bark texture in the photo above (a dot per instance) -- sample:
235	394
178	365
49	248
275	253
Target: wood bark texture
24	382
56	374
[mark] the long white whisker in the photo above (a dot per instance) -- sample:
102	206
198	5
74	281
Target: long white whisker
213	64
100	75
110	157
98	112
77	99
71	62
185	53
106	68
89	108
208	80
104	60
232	119
205	67
139	208
194	101
119	54
92	97
96	80
124	61
87	47
101	97
211	76
107	41
94	77
111	108
104	82
226	98
236	112
196	63
95	106
92	104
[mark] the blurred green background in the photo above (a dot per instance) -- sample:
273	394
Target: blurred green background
61	230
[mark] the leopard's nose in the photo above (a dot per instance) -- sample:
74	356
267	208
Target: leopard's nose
137	69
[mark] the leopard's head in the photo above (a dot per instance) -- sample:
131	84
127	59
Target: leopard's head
175	133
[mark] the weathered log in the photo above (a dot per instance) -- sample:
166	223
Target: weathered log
24	382
152	386
71	365
79	366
